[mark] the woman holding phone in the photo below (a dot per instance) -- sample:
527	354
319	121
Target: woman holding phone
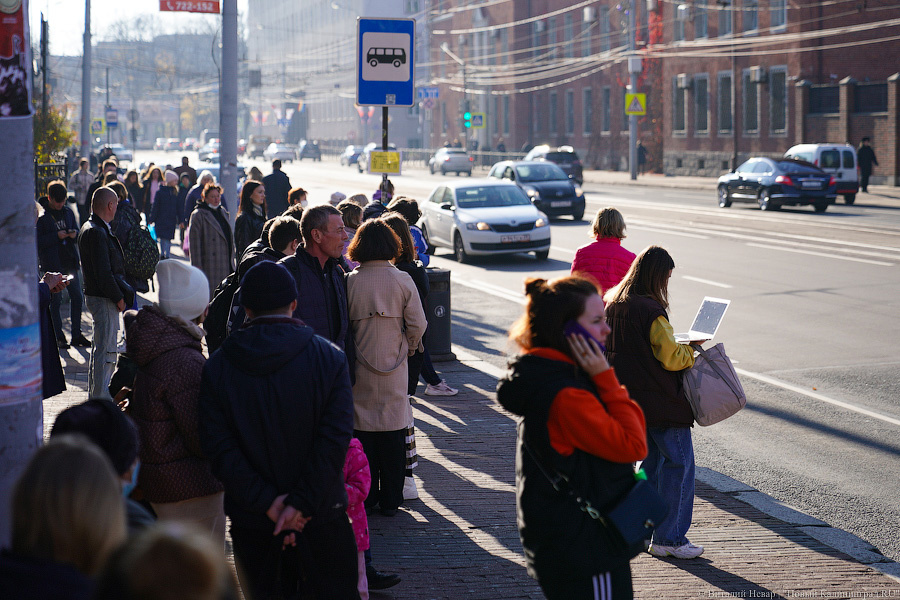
579	421
646	356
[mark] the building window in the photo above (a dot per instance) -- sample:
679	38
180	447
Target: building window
552	37
678	120
504	46
750	99
778	99
604	28
750	15
778	13
607	112
535	38
553	125
586	39
495	126
569	35
570	112
535	114
701	104
678	24
505	115
625	116
700	19
726	124
725	12
587	111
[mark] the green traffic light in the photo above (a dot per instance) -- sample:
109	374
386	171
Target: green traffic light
467	116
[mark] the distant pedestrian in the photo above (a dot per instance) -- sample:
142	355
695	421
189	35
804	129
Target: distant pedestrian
184	186
135	191
255	174
186	169
196	191
297	195
578	425
79	183
408	208
108	171
278	186
210	237
501	145
351	214
337	198
276	418
152	185
649	362
58	253
360	199
865	157
380	199
643	157
166	214
251	216
604	260
103	266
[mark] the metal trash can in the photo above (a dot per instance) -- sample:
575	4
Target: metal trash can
437	310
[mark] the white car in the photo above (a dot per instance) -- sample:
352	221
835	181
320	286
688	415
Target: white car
484	217
282	152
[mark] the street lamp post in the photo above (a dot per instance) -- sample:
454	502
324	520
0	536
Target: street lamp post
462	64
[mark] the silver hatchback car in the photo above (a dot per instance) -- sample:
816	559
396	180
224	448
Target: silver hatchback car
451	159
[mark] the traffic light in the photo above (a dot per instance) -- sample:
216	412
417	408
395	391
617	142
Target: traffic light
467	119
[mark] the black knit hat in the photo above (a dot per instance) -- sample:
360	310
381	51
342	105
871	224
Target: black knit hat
267	286
105	425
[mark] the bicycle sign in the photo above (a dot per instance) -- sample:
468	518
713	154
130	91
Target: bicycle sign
385	62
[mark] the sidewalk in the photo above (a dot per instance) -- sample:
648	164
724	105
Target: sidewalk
459	539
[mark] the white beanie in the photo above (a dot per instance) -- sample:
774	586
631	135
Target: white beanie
183	289
171	176
337	198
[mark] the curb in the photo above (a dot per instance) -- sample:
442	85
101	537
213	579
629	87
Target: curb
838	539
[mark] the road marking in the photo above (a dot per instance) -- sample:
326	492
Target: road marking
823	254
706	281
493	290
668	231
561	249
820	397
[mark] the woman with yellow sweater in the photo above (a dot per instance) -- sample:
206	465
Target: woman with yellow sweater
649	362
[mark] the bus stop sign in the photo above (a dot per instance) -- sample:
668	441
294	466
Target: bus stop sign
385	62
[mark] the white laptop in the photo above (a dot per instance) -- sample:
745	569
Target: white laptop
707	321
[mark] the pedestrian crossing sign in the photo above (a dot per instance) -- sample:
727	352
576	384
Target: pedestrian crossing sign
635	104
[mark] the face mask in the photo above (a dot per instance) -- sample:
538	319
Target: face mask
303	203
129	487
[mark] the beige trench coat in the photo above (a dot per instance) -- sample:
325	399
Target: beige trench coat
388	322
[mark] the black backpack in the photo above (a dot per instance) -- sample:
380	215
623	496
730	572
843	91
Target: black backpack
216	321
141	253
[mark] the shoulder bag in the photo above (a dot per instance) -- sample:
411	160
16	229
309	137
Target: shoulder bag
712	387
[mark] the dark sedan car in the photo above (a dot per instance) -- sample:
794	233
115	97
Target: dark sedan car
548	187
776	183
564	156
309	150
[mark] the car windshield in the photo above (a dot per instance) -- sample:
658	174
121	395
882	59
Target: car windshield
562	157
458	152
490	196
795	168
548	172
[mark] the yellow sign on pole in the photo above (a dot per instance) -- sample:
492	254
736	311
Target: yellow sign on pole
98	126
384	162
635	104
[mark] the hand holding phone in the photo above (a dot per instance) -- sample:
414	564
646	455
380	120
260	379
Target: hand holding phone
573	327
588	356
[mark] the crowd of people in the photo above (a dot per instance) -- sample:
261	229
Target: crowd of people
271	382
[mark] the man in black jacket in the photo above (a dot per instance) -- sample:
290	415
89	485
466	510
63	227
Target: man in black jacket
58	253
277	187
865	157
103	266
276	418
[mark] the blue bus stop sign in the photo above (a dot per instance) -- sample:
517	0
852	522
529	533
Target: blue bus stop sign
385	62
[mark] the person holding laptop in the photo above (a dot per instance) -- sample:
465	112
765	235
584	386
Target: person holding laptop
643	351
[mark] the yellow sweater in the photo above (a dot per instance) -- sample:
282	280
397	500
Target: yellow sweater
670	354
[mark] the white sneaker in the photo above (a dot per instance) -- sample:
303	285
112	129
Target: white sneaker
441	389
688	550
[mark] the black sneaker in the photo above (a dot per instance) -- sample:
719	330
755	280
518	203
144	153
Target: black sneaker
62	343
79	340
380	581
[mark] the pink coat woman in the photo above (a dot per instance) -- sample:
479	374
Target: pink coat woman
357	481
605	260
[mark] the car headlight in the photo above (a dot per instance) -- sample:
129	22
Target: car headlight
532	193
541	222
578	192
480	226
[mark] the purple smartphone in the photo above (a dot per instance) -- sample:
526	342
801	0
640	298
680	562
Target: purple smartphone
573	327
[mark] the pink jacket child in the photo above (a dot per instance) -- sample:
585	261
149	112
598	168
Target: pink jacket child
605	260
357	480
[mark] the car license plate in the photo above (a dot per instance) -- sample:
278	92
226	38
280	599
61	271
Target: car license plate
560	204
506	239
812	185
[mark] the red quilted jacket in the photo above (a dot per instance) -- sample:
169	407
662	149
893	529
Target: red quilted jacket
605	260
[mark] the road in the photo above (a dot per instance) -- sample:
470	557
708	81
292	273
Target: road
812	329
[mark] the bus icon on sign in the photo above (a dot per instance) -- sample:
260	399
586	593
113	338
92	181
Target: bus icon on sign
390	56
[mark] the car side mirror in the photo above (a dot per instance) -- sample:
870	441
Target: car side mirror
446	206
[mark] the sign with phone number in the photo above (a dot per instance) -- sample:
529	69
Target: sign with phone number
196	6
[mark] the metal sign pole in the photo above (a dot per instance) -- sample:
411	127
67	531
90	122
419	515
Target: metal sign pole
384	138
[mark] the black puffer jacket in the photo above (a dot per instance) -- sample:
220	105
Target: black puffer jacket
559	539
276	412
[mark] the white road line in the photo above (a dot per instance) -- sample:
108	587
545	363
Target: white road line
820	397
488	288
668	231
561	249
823	254
706	281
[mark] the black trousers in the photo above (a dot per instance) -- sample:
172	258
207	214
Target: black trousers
612	585
322	565
386	451
864	178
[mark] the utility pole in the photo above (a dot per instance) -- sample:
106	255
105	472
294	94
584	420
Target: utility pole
44	44
228	102
21	399
461	63
86	84
634	68
106	112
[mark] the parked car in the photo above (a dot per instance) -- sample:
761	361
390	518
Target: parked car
564	156
172	145
160	144
189	144
775	183
836	159
548	187
484	217
451	159
362	163
121	152
210	151
282	152
257	145
350	155
309	150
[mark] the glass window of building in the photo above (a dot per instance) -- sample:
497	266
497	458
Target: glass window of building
701	104
570	112
700	20
723	98
750	15
751	104
587	111
778	99
606	111
777	13
725	19
678	107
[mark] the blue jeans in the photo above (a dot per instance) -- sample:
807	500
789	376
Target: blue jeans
103	346
76	301
164	247
670	467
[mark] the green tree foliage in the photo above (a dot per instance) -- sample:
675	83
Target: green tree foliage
52	136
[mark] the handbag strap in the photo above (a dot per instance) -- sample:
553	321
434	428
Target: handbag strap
562	485
718	371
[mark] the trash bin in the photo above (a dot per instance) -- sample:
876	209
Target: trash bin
437	310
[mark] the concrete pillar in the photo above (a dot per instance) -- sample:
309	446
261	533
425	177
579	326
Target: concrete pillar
892	166
848	90
801	109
